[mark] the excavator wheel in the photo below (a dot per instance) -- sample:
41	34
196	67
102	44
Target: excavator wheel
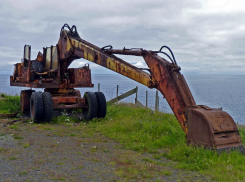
91	111
36	107
101	104
47	106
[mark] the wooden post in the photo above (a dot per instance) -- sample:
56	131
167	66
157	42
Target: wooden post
98	87
117	92
156	100
158	103
136	98
120	97
146	99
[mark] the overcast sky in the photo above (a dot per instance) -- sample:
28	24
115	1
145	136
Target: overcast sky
205	36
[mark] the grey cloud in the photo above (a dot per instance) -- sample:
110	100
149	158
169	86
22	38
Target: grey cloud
201	42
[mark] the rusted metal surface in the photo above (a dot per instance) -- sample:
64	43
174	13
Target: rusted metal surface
39	56
80	76
68	102
78	49
12	115
76	77
25	96
175	92
212	128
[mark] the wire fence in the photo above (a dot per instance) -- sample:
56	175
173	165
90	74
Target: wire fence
110	93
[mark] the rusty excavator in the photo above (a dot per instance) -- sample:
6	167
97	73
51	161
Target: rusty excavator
203	126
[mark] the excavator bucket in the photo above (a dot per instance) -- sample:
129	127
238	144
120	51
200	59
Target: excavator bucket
212	128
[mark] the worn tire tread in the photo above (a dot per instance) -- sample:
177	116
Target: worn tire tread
101	104
47	106
36	97
92	110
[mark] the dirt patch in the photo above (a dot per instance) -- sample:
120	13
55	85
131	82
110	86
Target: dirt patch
76	152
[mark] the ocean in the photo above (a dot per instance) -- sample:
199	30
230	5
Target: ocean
215	91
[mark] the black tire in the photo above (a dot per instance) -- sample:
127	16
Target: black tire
36	107
101	104
92	110
47	106
37	66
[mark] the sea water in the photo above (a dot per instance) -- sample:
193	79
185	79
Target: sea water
226	91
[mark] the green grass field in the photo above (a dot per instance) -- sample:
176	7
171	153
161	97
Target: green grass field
145	131
9	104
142	130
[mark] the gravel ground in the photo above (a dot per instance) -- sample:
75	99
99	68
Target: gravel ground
75	152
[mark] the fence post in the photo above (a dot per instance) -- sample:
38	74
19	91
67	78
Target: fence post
136	95
146	99
158	103
117	92
98	87
156	100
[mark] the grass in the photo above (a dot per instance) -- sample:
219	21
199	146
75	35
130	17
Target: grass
17	137
167	173
12	158
26	145
23	173
63	119
13	127
142	130
9	104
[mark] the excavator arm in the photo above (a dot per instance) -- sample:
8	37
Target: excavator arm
164	76
211	128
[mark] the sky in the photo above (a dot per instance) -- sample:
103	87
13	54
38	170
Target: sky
206	36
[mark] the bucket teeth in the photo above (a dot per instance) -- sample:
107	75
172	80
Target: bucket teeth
239	148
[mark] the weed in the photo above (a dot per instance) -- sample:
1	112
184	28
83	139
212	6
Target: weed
64	119
141	130
13	127
60	163
47	128
12	158
10	104
17	137
3	95
166	173
148	160
156	156
93	149
23	173
26	145
153	151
